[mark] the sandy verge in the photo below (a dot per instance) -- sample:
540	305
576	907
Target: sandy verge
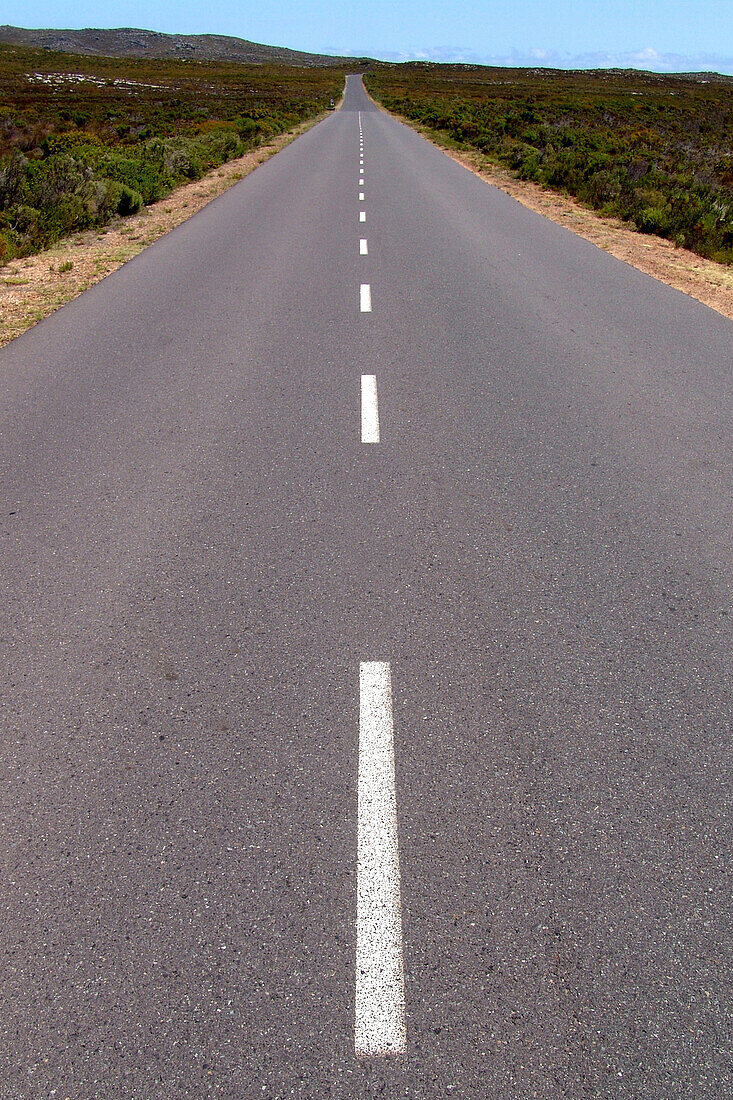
33	287
709	282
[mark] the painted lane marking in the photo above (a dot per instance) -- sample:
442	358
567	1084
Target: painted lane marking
362	215
361	196
380	990
363	248
366	298
369	409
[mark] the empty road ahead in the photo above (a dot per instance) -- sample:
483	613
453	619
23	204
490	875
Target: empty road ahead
365	605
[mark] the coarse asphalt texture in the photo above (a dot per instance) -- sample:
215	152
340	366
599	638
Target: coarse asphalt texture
196	553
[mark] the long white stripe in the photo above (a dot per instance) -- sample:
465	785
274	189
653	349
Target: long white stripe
369	409
363	247
380	988
365	297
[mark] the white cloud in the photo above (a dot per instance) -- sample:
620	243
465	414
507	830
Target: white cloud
646	58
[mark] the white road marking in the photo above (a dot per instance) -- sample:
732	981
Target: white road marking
363	249
366	298
369	409
362	215
361	196
379	1017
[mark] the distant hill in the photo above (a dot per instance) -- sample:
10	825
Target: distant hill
130	42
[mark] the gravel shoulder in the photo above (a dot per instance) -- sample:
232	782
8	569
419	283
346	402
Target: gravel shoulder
35	286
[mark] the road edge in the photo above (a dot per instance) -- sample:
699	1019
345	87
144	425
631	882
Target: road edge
34	287
704	280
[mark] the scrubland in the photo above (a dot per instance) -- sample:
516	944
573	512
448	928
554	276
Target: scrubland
86	139
654	151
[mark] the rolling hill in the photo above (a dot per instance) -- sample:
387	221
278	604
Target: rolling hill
131	42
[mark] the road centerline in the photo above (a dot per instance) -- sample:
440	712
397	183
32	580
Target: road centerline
365	298
369	409
379	1017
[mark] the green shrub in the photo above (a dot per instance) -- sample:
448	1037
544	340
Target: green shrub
129	201
653	219
12	179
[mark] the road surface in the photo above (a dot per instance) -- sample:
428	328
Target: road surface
366	625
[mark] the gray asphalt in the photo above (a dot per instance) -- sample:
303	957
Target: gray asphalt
196	552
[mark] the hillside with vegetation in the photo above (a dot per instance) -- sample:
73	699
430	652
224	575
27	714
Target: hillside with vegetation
656	151
133	42
83	139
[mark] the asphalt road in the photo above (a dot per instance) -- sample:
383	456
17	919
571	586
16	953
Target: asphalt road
198	554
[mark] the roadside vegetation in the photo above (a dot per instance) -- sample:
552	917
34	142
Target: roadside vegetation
86	139
656	151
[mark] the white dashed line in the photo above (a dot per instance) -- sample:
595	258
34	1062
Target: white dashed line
361	196
362	215
380	991
369	409
363	247
366	298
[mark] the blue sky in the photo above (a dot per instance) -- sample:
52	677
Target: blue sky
664	35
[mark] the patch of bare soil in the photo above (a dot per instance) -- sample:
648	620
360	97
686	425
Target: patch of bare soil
709	282
32	288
